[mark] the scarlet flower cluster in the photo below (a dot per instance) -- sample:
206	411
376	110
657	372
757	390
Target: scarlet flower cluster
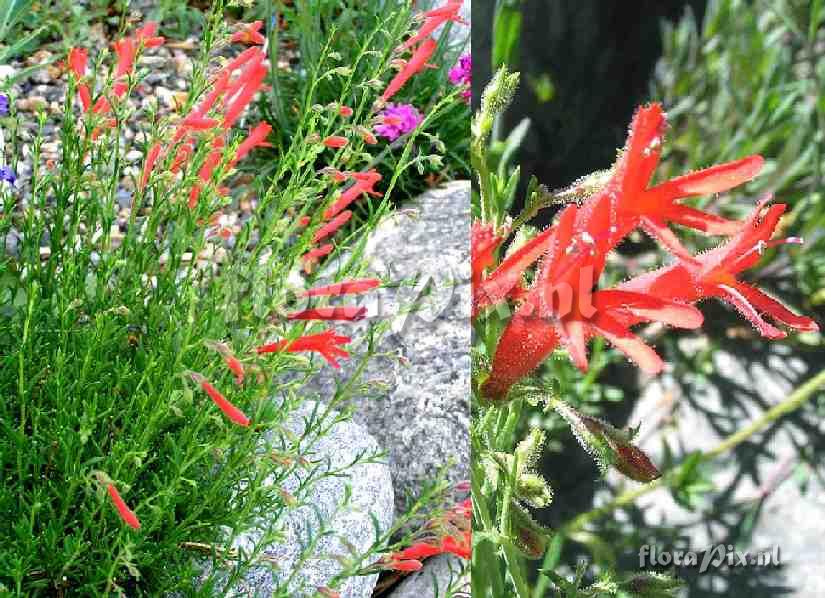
426	45
231	92
126	50
448	533
335	216
560	307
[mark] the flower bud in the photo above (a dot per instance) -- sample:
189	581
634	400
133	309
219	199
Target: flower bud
528	536
608	445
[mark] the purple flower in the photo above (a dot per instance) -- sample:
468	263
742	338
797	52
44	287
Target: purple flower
397	120
462	74
7	174
4	104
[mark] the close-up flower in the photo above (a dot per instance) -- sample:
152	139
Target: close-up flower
655	306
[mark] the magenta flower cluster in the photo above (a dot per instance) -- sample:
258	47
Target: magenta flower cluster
462	74
397	120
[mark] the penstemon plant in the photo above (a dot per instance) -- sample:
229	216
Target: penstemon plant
149	365
541	297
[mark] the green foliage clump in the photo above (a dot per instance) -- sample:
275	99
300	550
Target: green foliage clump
103	321
750	81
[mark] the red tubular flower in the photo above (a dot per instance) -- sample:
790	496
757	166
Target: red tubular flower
256	138
102	106
241	59
128	516
332	227
194	196
197	122
346	314
85	96
126	51
406	566
496	287
326	343
418	551
232	412
219	87
250	34
213	159
459	546
433	19
364	183
626	202
586	234
304	221
148	35
366	135
345	111
449	532
248	71
335	141
483	244
233	363
151	158
347	287
78	60
182	156
713	274
312	256
541	323
250	80
236	367
417	63
335	174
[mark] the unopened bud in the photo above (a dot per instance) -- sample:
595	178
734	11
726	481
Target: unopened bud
534	490
528	536
608	445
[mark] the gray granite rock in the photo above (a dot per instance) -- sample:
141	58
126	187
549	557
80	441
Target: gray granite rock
371	496
415	399
443	576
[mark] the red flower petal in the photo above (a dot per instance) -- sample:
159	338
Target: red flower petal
417	62
124	511
232	412
347	287
349	314
629	344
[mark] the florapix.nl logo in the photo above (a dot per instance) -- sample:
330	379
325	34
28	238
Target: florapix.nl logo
714	557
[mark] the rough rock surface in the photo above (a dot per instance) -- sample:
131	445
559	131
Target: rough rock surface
769	482
442	575
415	400
372	495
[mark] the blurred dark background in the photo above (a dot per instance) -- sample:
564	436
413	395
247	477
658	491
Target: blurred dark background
586	64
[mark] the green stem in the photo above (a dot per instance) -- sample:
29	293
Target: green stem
796	399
